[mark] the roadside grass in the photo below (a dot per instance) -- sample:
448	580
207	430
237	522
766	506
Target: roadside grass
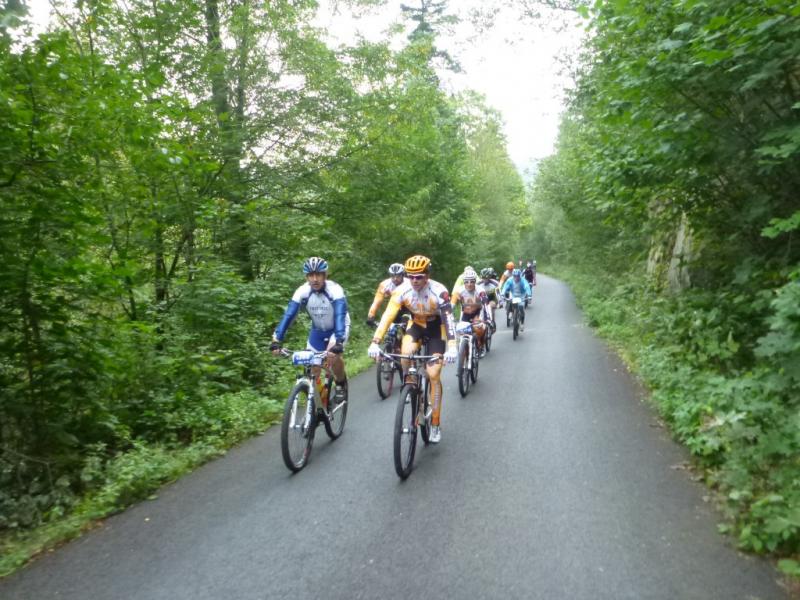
739	423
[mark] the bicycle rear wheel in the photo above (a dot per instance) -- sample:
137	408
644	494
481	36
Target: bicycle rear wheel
334	422
462	370
405	431
297	427
425	419
385	376
473	372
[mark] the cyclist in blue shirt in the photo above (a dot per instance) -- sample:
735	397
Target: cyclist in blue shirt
518	287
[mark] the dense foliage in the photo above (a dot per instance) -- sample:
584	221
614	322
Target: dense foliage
164	169
672	205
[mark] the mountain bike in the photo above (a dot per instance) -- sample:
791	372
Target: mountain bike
414	411
467	371
388	368
309	404
517	305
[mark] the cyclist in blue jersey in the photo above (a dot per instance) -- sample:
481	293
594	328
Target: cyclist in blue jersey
516	286
325	302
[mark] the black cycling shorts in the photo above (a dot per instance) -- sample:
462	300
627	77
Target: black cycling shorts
434	331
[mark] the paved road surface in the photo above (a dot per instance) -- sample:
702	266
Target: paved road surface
552	480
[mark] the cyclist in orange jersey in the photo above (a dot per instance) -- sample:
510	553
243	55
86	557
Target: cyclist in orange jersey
428	301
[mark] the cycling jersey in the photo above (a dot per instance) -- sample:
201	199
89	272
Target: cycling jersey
471	302
505	277
430	303
385	290
518	289
327	309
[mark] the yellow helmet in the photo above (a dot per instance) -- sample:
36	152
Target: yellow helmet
509	265
418	264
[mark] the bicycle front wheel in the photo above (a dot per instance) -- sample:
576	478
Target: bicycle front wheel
334	423
297	427
463	368
516	323
405	431
487	339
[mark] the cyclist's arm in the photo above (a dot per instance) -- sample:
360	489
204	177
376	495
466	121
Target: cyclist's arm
446	312
288	316
388	317
340	319
376	302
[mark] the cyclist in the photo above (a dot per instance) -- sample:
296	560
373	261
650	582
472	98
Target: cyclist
326	304
533	266
472	299
516	286
460	280
491	286
529	274
507	273
397	276
432	316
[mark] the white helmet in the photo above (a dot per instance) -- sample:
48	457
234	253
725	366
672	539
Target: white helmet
469	275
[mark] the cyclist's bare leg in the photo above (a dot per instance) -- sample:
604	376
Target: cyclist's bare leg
434	376
409	346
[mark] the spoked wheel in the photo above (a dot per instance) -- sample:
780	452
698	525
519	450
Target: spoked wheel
473	372
297	428
516	323
334	423
425	415
487	339
405	431
509	308
463	371
385	375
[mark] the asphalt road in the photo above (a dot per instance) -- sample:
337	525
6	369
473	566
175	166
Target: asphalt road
553	480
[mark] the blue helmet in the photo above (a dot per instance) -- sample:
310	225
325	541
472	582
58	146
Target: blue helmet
516	273
315	264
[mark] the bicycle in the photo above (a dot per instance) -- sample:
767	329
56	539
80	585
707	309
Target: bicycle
308	404
467	371
388	367
414	411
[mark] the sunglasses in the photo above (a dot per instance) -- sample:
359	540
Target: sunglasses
416	277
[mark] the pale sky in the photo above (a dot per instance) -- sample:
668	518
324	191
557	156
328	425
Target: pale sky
514	64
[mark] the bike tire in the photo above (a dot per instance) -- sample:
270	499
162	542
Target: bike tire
425	423
405	431
473	372
516	323
508	315
385	376
487	339
297	438
462	371
335	419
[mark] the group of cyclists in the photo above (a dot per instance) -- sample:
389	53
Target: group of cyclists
410	291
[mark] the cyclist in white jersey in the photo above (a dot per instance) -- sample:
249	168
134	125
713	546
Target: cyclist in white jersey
325	302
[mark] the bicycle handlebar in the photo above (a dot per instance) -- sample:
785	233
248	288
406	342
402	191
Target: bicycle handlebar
428	357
